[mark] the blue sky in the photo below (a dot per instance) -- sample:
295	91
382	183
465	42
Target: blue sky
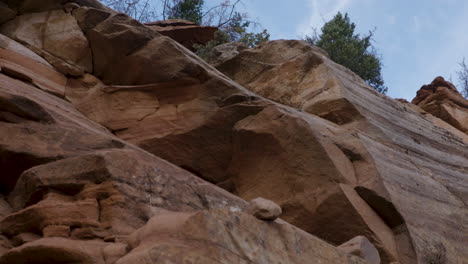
418	39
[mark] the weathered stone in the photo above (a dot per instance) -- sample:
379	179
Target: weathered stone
293	73
221	236
441	99
184	32
114	252
351	163
51	212
11	45
23	238
28	70
264	209
36	130
89	233
56	231
102	38
56	35
56	250
222	53
360	246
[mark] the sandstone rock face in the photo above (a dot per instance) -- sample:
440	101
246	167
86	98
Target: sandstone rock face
362	247
441	99
341	160
9	44
72	192
367	126
56	36
30	71
185	32
218	236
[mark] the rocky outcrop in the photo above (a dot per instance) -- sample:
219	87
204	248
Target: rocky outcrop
185	32
9	44
362	247
119	163
218	236
72	192
441	99
56	36
75	193
219	54
386	146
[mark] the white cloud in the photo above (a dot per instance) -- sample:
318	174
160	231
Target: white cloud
320	12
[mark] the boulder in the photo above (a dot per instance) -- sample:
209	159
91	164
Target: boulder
56	36
222	236
185	32
360	246
441	99
264	209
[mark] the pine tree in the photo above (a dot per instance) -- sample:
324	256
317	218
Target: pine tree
190	10
351	50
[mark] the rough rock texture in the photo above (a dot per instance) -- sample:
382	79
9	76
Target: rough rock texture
219	54
185	32
441	99
264	209
9	44
340	159
398	158
194	237
72	192
56	36
360	246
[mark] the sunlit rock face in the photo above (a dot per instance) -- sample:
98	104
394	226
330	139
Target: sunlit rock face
441	99
402	157
129	148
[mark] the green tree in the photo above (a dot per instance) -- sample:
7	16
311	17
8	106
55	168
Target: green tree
235	29
190	10
350	50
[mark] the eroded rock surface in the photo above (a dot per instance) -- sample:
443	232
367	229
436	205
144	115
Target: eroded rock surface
185	32
340	159
56	36
441	99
